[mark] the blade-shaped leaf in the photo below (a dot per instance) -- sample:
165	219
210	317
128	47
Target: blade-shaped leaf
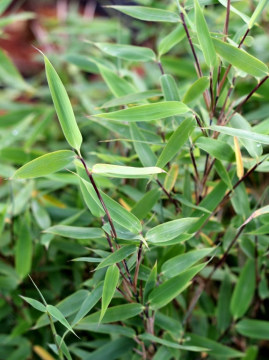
143	150
151	282
255	329
176	141
240	59
45	164
117	256
24	248
169	41
147	112
58	315
169	230
196	89
261	5
110	284
132	98
147	14
63	107
216	148
203	35
76	232
146	203
34	303
125	171
245	134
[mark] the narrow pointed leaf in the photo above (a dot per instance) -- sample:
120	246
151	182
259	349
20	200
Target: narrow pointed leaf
196	90
171	178
170	40
110	284
254	329
63	107
34	303
146	203
176	141
147	14
45	165
245	134
151	282
57	314
240	59
144	152
76	232
125	171
147	112
169	88
216	148
24	249
261	5
132	98
238	159
117	256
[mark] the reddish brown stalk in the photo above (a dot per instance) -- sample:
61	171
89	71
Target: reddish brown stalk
226	25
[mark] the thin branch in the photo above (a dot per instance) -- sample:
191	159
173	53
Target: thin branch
226	25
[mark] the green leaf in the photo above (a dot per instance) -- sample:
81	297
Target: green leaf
176	141
113	314
125	171
171	344
255	329
4	5
204	38
146	203
261	5
170	40
143	150
223	307
147	112
216	349
147	13
216	148
127	52
244	17
171	288
117	85
244	290
132	98
196	89
63	107
45	165
171	178
34	303
57	314
169	88
223	173
40	214
245	134
169	230
180	263
240	59
110	284
76	232
151	282
117	256
24	248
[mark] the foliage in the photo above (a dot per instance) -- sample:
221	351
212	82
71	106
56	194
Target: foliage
133	186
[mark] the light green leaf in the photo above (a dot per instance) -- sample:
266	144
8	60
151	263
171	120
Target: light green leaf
125	171
244	17
143	150
147	112
45	165
40	214
127	52
223	173
169	230
180	263
34	303
63	107
117	256
110	284
244	290
76	232
196	89
240	59
171	288
57	314
261	5
113	314
176	141
204	38
132	98
245	134
254	329
170	40
216	148
147	13
169	88
117	85
146	203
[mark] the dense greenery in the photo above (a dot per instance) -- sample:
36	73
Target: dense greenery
134	186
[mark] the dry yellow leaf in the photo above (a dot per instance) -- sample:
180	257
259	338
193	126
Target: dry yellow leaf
238	158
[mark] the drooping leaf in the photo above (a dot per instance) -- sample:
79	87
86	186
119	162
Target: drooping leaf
147	112
147	14
110	284
45	165
63	107
204	38
169	230
117	256
171	288
176	141
240	59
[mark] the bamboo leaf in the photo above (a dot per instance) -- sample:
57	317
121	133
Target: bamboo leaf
223	173
45	165
170	40
147	14
245	134
176	141
34	303
240	59
169	230
171	178
110	284
24	248
254	329
63	107
151	282
196	89
146	203
143	150
169	88
132	98
57	314
117	256
216	148
204	38
125	171
261	5
147	112
76	232
238	159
